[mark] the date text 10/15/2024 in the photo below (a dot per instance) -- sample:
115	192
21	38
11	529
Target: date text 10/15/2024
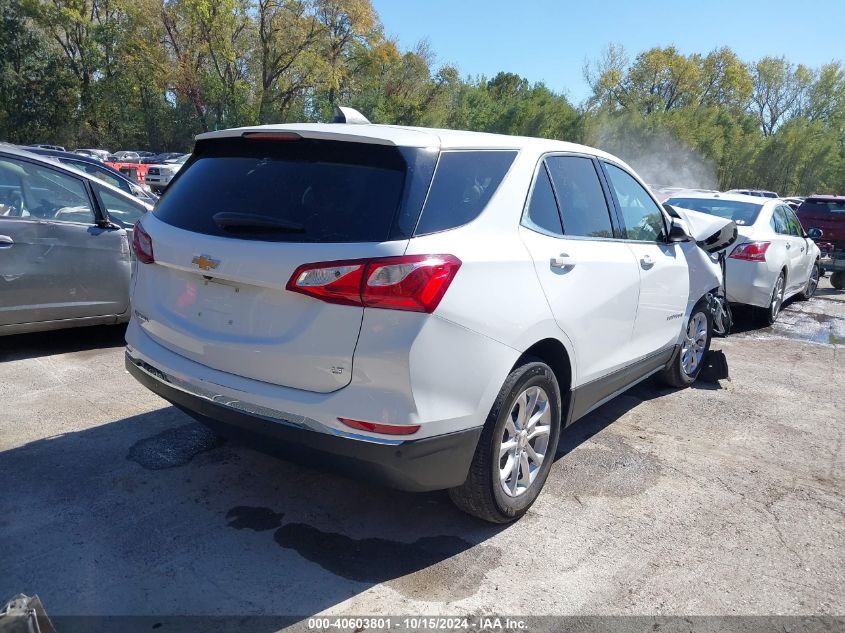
415	623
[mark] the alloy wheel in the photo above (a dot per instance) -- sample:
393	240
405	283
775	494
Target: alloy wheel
777	297
695	341
524	441
813	282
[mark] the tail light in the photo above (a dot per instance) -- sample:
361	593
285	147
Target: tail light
751	251
376	427
142	244
410	282
415	283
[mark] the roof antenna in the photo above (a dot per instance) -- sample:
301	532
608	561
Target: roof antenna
348	115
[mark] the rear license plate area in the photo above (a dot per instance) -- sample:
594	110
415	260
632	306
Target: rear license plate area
216	307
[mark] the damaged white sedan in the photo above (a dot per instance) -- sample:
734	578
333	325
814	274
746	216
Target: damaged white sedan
774	258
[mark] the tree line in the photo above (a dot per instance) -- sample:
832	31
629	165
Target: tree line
151	74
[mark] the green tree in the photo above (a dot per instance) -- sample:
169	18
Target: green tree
349	28
71	24
725	82
661	79
780	89
153	73
37	93
286	61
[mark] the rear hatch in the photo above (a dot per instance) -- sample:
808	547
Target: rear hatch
240	218
827	214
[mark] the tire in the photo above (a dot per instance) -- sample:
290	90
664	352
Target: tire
812	284
688	359
767	316
483	494
837	280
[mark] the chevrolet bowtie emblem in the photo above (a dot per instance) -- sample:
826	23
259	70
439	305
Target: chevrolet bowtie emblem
205	262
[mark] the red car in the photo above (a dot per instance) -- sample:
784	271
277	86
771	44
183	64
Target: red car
827	214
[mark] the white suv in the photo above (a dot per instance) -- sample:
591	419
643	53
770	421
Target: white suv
425	307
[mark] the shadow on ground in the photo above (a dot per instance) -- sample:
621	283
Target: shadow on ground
596	421
154	514
746	318
829	292
38	344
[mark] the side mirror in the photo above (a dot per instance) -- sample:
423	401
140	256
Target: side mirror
678	231
814	233
671	211
106	225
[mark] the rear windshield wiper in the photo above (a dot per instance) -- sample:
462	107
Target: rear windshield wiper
247	221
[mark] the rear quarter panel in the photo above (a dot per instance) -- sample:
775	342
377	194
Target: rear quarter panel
496	293
751	283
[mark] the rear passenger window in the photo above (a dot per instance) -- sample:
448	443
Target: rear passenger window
542	209
463	184
779	222
794	225
582	204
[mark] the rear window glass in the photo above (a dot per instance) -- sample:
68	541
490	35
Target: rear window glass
743	213
293	191
464	182
822	206
754	192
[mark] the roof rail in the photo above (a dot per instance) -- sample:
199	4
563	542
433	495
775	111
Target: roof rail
348	115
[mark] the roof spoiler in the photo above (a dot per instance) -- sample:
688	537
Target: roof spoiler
348	115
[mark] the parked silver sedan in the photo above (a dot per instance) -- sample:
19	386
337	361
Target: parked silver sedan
774	258
65	245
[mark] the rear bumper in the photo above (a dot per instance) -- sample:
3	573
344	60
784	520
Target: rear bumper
750	283
432	463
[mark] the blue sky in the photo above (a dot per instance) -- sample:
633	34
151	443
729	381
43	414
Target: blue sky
548	40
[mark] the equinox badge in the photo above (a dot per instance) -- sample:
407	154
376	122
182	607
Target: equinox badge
205	262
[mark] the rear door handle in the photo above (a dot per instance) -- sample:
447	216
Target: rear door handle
646	261
788	246
6	241
561	261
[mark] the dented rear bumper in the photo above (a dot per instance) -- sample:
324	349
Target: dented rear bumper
432	463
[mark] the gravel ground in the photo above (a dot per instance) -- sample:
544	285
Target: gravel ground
722	499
